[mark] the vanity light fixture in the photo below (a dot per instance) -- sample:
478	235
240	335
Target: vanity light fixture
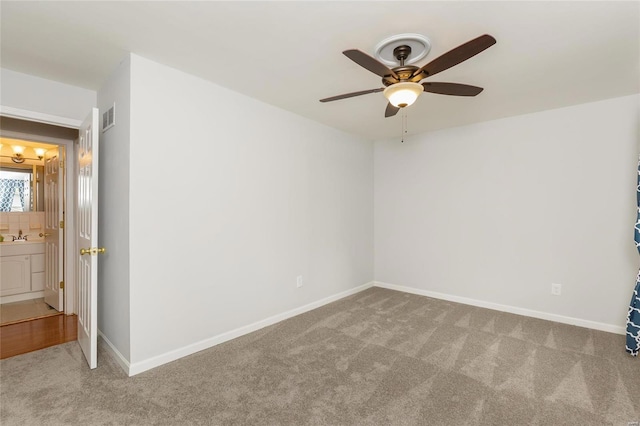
18	154
40	152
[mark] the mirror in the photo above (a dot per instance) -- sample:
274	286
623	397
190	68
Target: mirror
22	188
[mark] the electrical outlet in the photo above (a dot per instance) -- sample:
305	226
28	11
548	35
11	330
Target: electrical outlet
299	281
556	289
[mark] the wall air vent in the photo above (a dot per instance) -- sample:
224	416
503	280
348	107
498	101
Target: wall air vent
109	118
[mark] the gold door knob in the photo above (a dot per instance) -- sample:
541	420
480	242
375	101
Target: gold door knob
93	251
46	234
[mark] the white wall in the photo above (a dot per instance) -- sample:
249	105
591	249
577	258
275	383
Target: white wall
276	195
35	94
113	213
497	211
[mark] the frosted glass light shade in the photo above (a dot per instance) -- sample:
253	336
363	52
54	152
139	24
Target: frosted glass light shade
17	149
403	94
40	152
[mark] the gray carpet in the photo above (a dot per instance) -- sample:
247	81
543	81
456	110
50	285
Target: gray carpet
379	357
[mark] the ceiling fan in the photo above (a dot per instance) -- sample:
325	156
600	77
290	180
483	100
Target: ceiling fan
402	83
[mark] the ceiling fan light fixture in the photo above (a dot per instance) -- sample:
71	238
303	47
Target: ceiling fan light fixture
403	94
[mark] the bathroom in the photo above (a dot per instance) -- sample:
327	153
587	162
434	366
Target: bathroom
31	248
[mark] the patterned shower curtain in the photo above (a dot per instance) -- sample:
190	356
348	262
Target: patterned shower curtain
8	191
633	317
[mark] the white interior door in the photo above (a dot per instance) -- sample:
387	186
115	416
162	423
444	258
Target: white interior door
87	238
53	237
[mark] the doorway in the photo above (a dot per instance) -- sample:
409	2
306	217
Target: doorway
79	291
38	222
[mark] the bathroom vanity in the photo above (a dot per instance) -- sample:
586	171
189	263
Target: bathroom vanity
21	270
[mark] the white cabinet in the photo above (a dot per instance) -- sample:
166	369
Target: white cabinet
21	270
15	274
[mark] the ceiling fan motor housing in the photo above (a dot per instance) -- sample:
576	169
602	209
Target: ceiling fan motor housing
405	73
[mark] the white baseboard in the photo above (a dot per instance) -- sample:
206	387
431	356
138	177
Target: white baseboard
115	353
141	366
506	308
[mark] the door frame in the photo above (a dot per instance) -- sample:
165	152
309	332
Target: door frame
70	285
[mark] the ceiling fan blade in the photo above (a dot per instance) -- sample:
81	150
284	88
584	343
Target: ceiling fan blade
457	55
391	110
455	89
369	63
351	95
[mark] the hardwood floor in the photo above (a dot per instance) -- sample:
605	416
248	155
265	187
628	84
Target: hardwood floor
16	339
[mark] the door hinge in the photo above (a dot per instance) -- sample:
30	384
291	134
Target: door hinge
62	164
62	224
62	284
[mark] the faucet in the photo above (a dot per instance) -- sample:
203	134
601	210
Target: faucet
20	236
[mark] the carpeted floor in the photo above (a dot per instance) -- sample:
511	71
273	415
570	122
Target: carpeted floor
379	357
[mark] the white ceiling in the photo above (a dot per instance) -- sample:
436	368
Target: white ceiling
288	54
